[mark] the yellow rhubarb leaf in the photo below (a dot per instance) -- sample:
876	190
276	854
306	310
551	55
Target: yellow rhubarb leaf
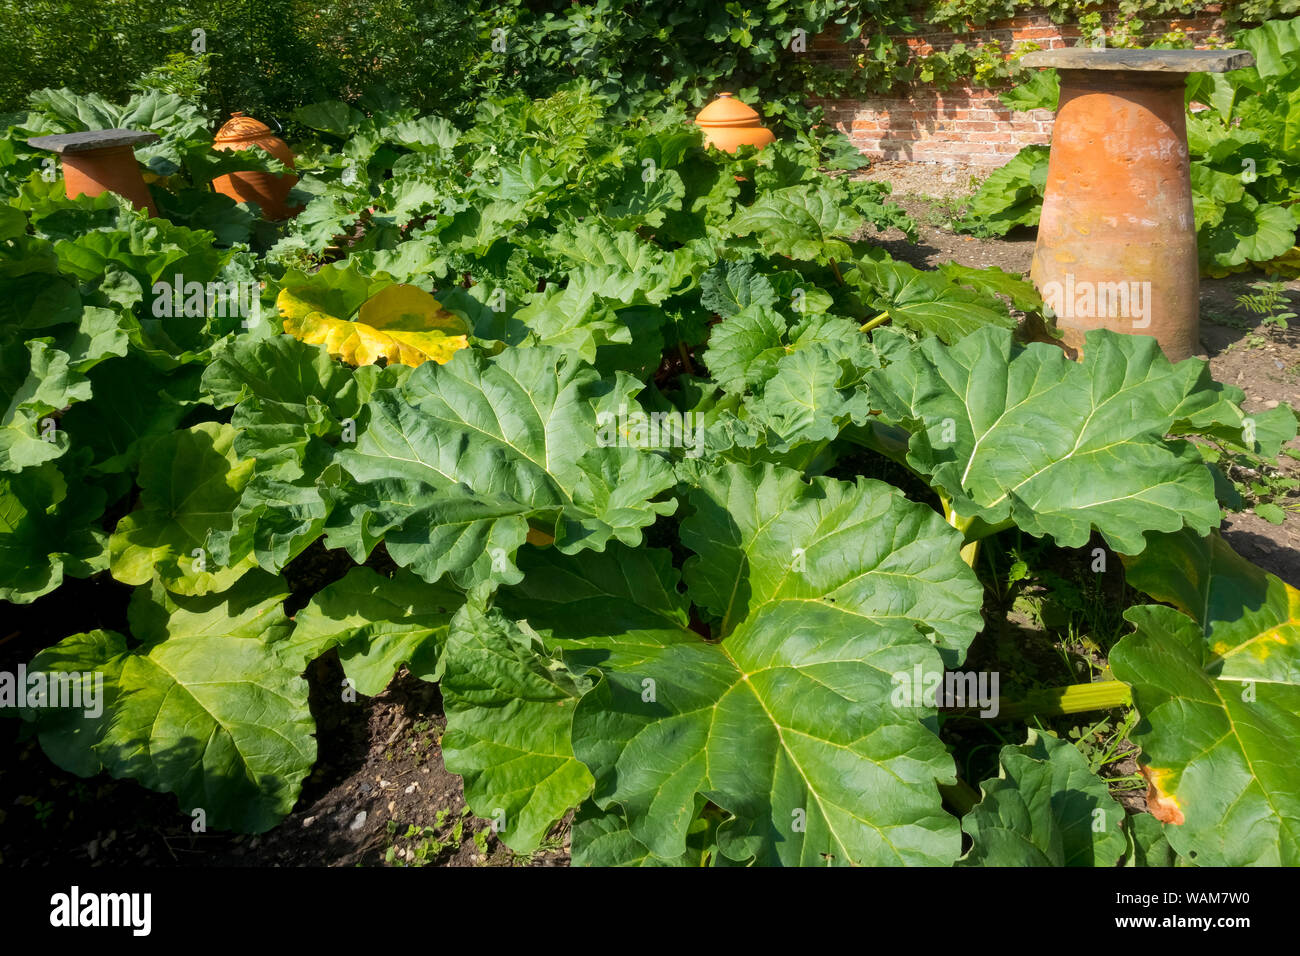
399	324
1287	265
1216	679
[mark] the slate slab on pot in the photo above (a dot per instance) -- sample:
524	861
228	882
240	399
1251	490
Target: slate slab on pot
88	140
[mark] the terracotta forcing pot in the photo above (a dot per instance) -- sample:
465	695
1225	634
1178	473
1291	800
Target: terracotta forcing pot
1116	242
1118	217
729	123
107	170
102	160
268	190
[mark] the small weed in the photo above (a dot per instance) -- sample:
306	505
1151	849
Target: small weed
1253	340
43	810
943	214
1069	599
1256	482
1269	302
1105	742
422	845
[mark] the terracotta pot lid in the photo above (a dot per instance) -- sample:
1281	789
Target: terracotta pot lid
92	140
241	128
727	111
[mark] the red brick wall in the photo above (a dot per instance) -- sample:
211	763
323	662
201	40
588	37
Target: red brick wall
962	124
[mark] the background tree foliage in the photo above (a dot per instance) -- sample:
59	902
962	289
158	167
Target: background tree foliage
266	57
269	57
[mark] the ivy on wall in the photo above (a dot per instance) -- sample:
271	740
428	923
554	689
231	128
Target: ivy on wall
958	14
888	61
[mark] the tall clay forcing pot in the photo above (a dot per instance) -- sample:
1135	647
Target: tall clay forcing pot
1118	215
266	189
729	123
1117	237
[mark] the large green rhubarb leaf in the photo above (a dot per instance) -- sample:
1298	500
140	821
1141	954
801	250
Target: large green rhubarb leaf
927	302
1011	196
798	379
1148	843
573	318
205	708
601	838
1218	685
287	392
1247	231
42	376
819	595
294	406
1025	436
1044	808
808	399
135	404
454	466
46	531
802	222
730	287
604	272
1274	44
252	608
645	203
378	625
1263	433
509	706
190	482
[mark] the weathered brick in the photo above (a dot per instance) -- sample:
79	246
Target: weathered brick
962	123
1032	32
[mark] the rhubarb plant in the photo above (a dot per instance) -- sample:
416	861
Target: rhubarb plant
672	481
